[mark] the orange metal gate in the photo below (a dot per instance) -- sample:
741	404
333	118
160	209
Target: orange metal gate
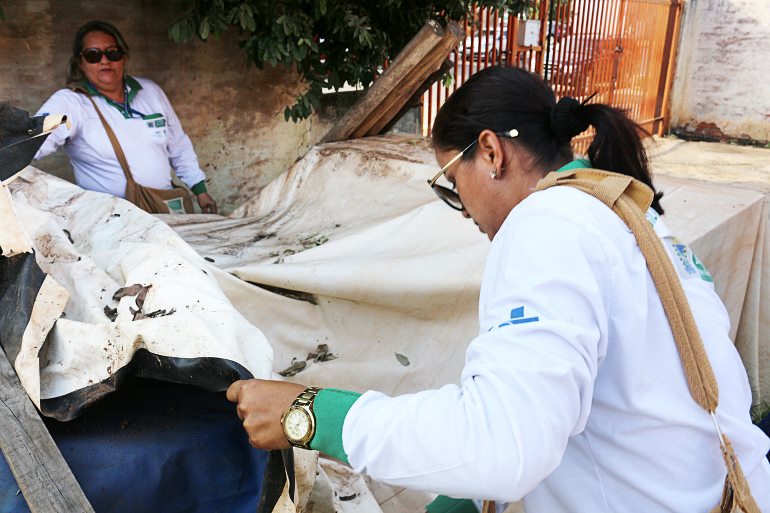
621	49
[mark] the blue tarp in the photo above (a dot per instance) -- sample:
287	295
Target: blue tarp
156	447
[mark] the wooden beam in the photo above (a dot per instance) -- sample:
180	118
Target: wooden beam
416	99
412	81
391	90
43	476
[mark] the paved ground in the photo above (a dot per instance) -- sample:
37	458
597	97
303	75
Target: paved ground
744	166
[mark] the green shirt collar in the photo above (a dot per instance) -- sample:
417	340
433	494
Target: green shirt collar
575	164
132	88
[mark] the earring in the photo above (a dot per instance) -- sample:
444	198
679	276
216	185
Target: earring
493	173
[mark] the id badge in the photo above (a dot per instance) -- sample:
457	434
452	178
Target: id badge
175	205
156	125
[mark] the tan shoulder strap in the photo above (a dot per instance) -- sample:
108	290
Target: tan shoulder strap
630	199
113	139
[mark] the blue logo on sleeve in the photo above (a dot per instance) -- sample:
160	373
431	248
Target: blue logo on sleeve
517	317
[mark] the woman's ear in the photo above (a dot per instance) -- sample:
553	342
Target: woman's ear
491	149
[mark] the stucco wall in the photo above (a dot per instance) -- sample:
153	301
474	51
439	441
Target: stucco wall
722	84
232	112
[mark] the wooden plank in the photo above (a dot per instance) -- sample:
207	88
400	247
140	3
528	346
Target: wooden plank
36	462
414	52
416	98
404	90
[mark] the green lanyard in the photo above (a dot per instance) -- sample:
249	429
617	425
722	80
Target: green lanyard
131	88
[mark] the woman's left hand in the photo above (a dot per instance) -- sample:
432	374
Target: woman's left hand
261	404
207	203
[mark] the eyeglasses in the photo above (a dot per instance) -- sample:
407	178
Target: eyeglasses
450	196
94	55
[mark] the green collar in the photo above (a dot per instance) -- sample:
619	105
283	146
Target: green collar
575	164
132	88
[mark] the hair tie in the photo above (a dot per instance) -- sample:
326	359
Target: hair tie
566	119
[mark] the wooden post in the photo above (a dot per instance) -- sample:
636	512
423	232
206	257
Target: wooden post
410	82
43	476
423	55
663	107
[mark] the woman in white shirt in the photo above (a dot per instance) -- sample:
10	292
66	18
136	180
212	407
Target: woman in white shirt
573	396
137	110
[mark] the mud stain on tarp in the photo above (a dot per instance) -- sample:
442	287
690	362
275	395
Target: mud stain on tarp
236	247
52	251
402	149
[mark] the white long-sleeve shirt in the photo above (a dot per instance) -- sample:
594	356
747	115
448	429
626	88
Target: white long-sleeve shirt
152	140
573	396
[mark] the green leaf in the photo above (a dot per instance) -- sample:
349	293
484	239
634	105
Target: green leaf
173	33
204	28
2	14
251	25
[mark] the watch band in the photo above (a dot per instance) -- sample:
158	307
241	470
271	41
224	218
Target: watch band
307	397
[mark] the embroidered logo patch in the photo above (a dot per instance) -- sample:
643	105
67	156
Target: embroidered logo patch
690	262
517	317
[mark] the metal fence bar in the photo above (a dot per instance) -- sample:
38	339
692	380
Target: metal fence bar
558	79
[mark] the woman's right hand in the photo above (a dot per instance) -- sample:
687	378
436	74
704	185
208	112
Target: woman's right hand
207	203
261	404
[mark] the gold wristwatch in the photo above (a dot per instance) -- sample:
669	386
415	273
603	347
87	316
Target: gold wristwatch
299	421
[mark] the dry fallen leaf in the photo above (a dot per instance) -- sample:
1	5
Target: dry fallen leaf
403	360
141	296
296	366
111	313
127	291
322	354
138	315
159	313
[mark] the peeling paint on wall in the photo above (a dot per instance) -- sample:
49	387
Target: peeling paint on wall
232	111
721	87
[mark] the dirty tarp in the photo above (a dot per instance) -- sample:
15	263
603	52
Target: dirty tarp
350	250
131	298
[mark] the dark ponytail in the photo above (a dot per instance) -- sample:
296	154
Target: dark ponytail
617	145
501	98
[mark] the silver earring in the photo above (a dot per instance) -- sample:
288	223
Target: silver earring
493	173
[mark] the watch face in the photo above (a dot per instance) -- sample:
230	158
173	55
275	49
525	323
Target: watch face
296	424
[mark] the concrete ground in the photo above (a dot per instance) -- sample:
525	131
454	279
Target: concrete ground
742	166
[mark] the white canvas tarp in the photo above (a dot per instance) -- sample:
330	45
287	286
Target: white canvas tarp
349	248
92	245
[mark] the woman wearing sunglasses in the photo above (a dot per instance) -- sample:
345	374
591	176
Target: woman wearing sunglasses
136	109
573	396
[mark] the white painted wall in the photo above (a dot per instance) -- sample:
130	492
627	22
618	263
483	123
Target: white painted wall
722	82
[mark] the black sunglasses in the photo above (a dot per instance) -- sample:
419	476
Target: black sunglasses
94	55
450	196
